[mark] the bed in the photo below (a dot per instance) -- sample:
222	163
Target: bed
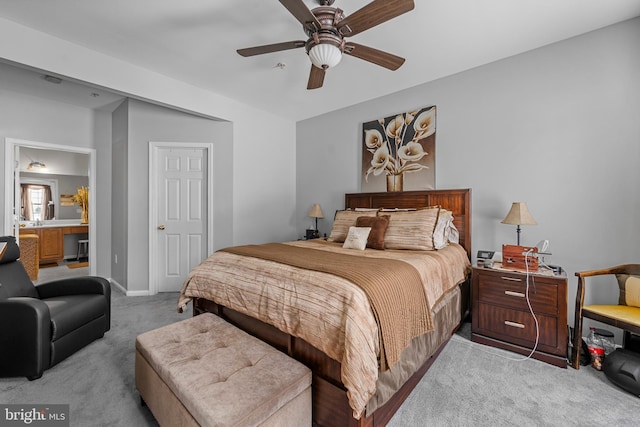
321	318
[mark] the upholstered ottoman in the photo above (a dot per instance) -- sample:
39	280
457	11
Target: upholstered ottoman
204	371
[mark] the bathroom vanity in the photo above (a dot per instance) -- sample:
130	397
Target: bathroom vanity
51	236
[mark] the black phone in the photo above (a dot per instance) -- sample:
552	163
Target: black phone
312	234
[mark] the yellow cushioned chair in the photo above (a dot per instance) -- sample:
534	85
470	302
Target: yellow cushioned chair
624	315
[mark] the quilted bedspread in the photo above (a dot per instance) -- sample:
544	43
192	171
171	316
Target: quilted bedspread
328	311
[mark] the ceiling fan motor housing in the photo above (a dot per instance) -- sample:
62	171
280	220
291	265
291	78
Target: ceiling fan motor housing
327	34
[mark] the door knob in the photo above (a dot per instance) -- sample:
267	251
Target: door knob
161	227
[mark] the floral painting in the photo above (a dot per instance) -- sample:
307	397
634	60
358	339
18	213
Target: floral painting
398	152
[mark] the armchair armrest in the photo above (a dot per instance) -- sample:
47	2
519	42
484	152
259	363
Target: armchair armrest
78	286
25	332
581	275
75	286
621	269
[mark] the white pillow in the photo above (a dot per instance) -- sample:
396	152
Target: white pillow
357	238
440	233
452	234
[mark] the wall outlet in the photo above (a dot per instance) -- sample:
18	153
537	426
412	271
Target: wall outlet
115	258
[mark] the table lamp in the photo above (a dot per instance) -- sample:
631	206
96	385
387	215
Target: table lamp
519	215
316	212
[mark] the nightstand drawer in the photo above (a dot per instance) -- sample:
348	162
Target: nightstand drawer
517	326
510	291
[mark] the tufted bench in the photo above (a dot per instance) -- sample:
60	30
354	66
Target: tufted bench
204	371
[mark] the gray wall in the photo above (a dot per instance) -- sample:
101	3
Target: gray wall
135	124
119	169
42	120
556	127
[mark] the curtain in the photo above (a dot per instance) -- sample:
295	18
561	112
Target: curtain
47	203
25	202
26	205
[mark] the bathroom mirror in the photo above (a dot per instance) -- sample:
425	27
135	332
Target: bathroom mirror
47	188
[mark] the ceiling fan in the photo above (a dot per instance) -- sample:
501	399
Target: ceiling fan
326	28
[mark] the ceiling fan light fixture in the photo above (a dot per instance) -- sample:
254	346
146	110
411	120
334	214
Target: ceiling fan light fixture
325	55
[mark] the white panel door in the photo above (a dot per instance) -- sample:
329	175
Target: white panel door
181	213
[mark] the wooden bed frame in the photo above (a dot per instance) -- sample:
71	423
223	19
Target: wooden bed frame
330	403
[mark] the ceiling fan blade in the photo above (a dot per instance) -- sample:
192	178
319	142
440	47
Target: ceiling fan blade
378	57
302	13
316	77
268	48
375	13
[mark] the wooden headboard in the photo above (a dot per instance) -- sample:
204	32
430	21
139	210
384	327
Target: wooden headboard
457	201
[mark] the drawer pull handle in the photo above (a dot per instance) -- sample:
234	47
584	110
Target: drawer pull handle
513	279
514	324
514	294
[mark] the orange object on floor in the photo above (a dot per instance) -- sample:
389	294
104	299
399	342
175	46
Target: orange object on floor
78	264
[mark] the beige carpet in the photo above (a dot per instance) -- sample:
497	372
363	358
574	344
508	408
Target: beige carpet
469	385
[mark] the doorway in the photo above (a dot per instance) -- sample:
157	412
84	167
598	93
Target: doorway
180	211
13	210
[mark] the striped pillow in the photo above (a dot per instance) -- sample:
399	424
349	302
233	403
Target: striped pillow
411	229
345	219
629	289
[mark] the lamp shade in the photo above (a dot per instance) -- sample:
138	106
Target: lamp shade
325	55
316	211
519	215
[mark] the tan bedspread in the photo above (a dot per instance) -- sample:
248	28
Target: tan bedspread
327	311
394	289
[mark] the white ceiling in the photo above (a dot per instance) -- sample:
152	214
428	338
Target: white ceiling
196	40
31	82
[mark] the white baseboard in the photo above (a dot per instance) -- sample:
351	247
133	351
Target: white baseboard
127	292
117	285
138	293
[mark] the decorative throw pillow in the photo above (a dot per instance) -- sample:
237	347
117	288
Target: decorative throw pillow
343	220
357	238
378	226
629	289
411	229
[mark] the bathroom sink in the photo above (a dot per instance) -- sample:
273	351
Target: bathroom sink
51	223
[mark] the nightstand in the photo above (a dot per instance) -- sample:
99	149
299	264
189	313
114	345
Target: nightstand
500	315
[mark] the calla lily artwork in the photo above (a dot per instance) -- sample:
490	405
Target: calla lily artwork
398	152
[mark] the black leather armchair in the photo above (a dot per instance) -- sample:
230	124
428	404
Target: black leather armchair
44	324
